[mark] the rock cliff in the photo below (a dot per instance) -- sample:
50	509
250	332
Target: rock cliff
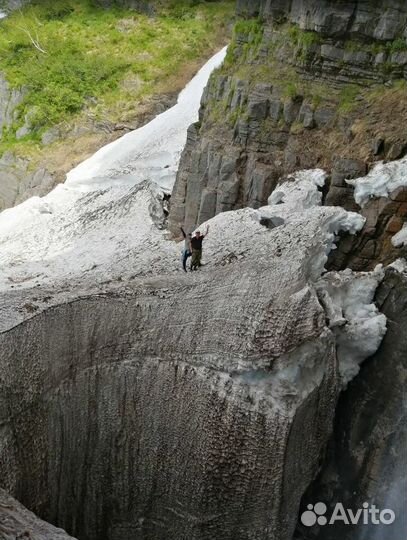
306	84
367	457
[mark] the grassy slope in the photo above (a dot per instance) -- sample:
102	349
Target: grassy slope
97	62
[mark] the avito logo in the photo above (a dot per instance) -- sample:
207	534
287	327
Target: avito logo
368	515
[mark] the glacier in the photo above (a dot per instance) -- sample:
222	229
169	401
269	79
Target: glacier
177	405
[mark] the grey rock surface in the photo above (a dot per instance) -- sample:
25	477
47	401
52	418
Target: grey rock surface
367	458
18	182
16	522
383	21
10	98
276	106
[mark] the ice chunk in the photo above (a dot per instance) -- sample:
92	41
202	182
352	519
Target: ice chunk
348	299
301	190
400	265
400	239
382	180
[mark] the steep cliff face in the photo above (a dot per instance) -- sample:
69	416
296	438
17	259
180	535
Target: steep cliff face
306	84
157	404
143	419
367	457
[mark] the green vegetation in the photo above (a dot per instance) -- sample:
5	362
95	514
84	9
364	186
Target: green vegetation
398	45
73	56
252	32
347	97
302	38
389	47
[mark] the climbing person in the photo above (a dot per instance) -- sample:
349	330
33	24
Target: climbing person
187	251
196	244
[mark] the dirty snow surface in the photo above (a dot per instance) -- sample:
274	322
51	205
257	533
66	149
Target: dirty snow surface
105	228
107	217
381	181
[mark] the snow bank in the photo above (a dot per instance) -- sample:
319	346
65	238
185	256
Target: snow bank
382	180
298	202
359	327
105	222
300	191
400	265
400	239
151	152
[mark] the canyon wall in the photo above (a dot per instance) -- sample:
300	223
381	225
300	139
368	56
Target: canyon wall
306	84
366	459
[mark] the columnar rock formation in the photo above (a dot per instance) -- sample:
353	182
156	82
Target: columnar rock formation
308	84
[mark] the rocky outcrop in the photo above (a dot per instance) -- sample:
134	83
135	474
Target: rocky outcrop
367	457
310	85
10	98
385	217
11	5
16	522
19	182
386	21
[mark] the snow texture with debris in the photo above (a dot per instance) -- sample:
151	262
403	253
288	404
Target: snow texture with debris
381	181
151	152
106	225
348	299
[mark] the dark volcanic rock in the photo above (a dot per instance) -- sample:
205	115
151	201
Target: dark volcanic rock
291	96
385	217
367	461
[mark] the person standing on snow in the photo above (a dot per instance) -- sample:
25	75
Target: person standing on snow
196	244
187	251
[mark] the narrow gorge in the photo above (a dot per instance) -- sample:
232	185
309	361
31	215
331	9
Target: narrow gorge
246	400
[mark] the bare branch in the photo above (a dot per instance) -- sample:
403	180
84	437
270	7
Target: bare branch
35	42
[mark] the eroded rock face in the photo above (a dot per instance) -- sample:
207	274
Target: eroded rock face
359	17
385	217
159	415
16	522
294	94
366	459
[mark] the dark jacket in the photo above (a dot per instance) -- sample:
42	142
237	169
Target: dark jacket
196	242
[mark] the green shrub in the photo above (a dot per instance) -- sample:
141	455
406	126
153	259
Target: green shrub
69	54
